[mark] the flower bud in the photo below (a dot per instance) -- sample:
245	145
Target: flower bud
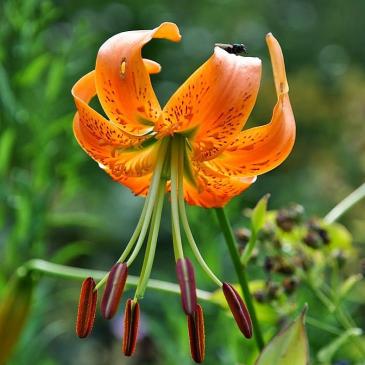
87	308
197	334
186	278
131	322
114	290
238	309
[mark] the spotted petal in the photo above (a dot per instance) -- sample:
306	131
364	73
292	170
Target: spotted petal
212	189
122	78
214	103
261	149
118	153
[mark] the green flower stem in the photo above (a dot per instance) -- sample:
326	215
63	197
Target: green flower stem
151	244
241	274
346	204
79	274
185	222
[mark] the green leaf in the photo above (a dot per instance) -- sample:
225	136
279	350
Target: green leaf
326	354
71	251
7	140
259	213
289	347
32	73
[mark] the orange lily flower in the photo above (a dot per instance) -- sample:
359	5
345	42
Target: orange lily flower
194	147
209	110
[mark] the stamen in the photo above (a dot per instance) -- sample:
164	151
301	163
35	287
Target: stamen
87	308
131	322
197	335
178	251
184	219
114	290
123	66
151	243
152	195
238	309
186	278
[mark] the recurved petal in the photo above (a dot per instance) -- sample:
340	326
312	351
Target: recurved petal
131	167
214	102
122	78
212	189
90	121
261	149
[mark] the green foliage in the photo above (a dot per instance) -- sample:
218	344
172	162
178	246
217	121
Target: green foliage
288	347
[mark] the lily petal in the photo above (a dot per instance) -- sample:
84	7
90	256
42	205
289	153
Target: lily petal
214	103
261	149
212	189
108	145
122	78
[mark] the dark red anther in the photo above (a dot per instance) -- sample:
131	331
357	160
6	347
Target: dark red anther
186	278
131	322
197	334
114	290
87	308
238	309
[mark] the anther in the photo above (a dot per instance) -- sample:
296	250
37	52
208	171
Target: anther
186	278
114	290
197	334
131	322
123	66
238	309
87	308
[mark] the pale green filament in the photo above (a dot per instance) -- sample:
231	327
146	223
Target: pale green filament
151	243
175	187
185	222
145	218
152	194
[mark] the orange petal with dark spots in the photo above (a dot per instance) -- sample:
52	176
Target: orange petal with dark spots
261	149
211	188
214	102
122	78
131	322
197	335
87	308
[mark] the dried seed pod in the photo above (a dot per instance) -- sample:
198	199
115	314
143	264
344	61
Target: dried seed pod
114	290
197	334
131	322
87	308
238	309
186	278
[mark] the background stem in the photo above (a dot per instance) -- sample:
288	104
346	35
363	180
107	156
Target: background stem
346	204
241	274
75	273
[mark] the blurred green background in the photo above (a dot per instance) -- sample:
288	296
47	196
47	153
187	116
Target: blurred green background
56	204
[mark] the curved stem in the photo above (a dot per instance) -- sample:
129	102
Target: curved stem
241	273
346	204
175	187
76	273
151	244
185	222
